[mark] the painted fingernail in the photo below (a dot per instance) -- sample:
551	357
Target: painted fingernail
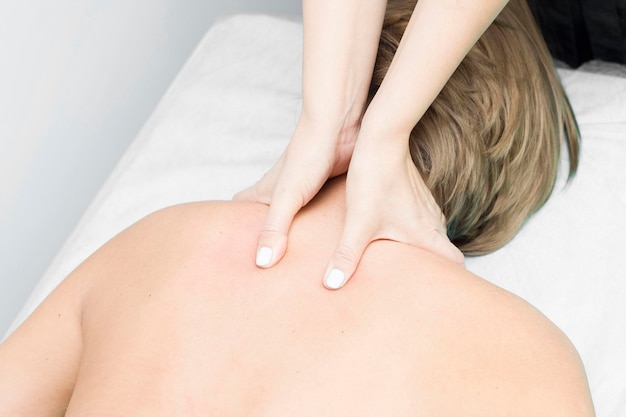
335	279
263	256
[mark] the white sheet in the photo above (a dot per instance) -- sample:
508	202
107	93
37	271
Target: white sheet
230	113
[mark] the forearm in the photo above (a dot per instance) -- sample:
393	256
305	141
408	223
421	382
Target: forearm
439	35
340	45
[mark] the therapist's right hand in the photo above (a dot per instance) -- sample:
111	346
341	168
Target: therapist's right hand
316	153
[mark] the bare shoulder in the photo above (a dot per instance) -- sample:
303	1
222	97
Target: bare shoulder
172	242
493	350
535	367
212	217
187	228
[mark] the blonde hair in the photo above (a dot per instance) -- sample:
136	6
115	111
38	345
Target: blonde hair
488	147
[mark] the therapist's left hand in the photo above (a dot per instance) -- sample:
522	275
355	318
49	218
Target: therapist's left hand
386	198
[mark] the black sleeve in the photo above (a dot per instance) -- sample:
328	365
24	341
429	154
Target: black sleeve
580	30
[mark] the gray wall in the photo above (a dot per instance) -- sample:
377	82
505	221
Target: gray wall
78	78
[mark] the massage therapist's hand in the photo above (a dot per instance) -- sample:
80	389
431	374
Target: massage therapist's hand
315	153
339	51
386	198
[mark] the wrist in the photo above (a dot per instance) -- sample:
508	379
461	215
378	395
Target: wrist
389	138
387	152
335	126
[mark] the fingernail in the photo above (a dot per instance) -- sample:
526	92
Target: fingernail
263	256
335	279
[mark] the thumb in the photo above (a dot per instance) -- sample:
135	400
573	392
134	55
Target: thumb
272	243
347	256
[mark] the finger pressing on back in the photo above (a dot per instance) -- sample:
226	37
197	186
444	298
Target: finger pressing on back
273	238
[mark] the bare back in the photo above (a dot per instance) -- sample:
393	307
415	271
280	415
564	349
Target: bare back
172	318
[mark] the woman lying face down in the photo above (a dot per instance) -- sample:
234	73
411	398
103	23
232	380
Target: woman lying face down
172	317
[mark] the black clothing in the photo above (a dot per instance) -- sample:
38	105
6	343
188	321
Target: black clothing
581	30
